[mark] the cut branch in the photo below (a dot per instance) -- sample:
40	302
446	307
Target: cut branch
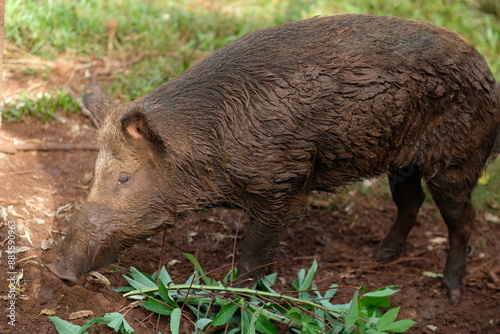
14	148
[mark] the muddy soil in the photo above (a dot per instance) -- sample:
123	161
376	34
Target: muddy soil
41	191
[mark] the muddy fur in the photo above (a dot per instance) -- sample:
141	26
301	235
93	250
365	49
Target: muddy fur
310	105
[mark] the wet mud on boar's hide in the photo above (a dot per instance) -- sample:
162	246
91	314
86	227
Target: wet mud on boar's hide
310	105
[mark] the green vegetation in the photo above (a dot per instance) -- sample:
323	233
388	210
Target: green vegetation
171	35
487	194
203	302
43	106
114	320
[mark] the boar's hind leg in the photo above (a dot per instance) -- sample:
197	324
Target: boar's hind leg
458	213
408	196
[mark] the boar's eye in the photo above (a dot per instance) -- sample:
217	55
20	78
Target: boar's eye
124	179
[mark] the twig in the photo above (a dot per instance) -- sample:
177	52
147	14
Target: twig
27	258
372	265
18	173
14	148
399	274
484	294
402	259
494	277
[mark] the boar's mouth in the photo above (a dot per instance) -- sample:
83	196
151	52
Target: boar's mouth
68	278
70	270
73	261
70	266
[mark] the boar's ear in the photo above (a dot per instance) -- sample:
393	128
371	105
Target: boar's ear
97	102
137	126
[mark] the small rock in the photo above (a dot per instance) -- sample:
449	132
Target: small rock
80	314
432	328
491	218
87	178
47	311
46	243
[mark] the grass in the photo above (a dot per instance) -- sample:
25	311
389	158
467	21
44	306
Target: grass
43	106
175	34
171	35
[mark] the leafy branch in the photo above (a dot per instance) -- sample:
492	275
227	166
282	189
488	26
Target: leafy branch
220	305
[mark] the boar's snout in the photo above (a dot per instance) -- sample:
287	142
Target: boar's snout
64	275
94	239
75	257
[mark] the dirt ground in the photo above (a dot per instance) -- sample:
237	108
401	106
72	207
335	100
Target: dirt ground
41	191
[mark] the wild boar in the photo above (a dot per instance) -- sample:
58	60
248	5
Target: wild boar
310	105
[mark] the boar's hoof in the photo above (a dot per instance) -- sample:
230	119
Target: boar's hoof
69	280
454	295
387	254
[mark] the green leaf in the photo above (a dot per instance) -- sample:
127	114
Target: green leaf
202	323
230	276
139	280
263	325
300	278
319	316
65	327
175	320
141	277
306	283
295	314
116	321
332	291
373	331
207	280
382	292
387	319
157	307
310	326
271	278
325	300
124	289
376	299
192	279
88	324
165	276
400	326
352	313
165	294
245	320
373	304
253	321
267	282
225	314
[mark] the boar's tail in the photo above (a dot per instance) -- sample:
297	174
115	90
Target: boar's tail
496	146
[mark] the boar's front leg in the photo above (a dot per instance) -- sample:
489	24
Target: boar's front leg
265	232
407	193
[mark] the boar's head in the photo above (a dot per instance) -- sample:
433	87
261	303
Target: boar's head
126	202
